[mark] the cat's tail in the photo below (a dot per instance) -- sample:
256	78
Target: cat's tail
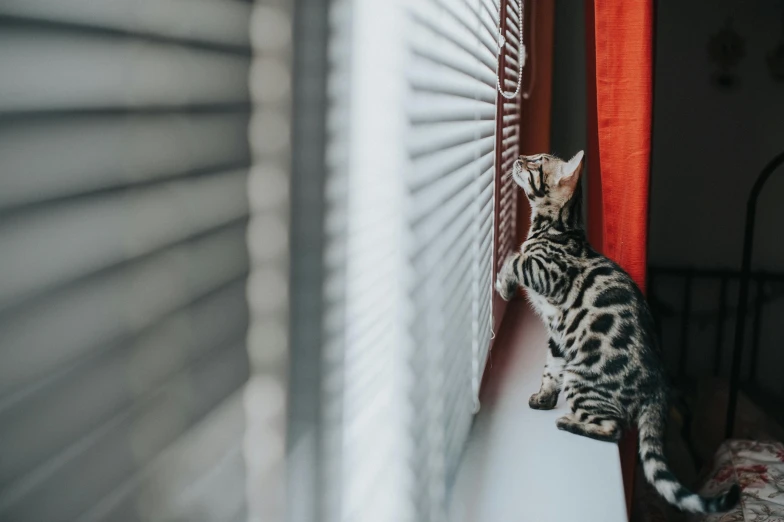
651	425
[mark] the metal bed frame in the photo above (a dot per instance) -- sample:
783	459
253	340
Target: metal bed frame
745	277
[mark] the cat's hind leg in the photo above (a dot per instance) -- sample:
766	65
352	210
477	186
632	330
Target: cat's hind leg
552	380
594	427
595	412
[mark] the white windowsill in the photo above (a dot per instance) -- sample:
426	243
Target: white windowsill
518	467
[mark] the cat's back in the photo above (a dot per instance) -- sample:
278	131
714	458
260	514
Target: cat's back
563	245
582	283
603	287
612	305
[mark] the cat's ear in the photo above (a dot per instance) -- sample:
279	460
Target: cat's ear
570	171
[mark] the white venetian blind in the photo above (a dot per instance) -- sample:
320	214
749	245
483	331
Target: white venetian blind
450	183
365	393
123	261
411	196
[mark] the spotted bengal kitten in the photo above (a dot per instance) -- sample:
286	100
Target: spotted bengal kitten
602	348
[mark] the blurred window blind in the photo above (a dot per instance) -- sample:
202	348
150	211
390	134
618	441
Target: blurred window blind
411	194
266	398
123	213
449	185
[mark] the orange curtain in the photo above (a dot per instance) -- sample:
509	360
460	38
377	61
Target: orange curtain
622	85
620	99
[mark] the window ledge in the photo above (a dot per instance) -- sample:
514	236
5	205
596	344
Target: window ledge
517	465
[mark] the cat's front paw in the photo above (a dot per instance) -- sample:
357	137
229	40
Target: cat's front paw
506	281
543	401
505	290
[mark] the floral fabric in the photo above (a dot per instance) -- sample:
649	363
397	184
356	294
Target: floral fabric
759	469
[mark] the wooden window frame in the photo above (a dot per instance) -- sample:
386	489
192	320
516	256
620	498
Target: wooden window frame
502	244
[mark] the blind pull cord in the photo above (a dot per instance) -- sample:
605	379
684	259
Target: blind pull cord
521	56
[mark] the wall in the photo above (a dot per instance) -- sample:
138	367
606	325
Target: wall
709	144
568	132
568	105
708	147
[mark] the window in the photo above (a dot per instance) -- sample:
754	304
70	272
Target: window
148	236
414	213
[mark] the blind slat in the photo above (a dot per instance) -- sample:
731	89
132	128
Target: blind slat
80	72
200	21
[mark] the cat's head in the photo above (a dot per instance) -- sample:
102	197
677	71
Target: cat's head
548	181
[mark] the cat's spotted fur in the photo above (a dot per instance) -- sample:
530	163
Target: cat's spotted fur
602	351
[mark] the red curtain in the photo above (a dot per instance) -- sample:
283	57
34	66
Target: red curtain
620	98
620	105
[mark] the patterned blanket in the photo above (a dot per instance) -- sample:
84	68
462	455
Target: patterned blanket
759	469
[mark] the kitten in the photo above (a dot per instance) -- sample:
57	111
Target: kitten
602	350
